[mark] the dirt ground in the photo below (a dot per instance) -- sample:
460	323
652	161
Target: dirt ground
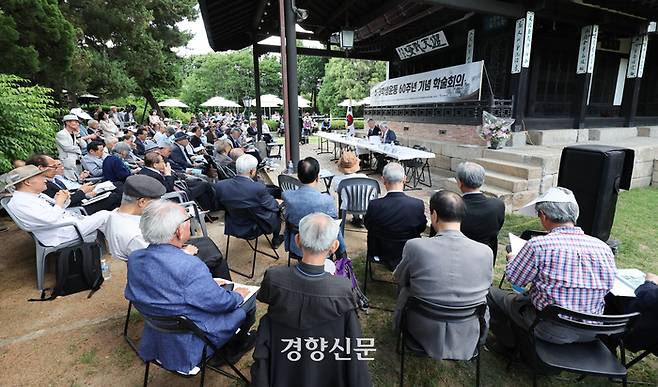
76	341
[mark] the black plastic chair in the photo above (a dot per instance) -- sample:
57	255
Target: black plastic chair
444	313
289	183
181	324
357	193
257	231
589	358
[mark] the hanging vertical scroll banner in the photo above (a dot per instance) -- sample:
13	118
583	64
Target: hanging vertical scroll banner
517	54
527	38
637	56
522	42
451	84
587	50
470	43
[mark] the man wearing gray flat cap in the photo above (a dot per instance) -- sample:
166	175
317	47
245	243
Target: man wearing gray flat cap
122	227
68	145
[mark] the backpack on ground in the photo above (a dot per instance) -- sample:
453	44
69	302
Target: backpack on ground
78	269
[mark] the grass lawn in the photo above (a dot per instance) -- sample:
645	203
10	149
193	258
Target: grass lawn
635	226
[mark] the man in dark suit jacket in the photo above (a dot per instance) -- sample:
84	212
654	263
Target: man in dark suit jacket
484	215
396	216
140	138
56	181
243	192
155	167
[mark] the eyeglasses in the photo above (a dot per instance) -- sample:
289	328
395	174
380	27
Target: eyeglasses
190	217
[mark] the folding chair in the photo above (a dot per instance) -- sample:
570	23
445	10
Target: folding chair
256	231
42	251
291	230
589	358
381	251
357	192
289	183
183	325
444	313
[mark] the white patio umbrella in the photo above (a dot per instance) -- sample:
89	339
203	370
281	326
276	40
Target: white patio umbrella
303	102
268	101
172	102
365	101
350	102
219	102
89	96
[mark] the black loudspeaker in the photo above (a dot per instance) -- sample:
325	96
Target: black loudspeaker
595	173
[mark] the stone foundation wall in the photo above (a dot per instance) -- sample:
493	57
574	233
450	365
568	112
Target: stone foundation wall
407	132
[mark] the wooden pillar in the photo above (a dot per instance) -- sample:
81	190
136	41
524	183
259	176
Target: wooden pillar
584	68
520	68
259	112
634	79
289	75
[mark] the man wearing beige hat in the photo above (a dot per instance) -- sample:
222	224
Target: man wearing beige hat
36	210
565	267
68	145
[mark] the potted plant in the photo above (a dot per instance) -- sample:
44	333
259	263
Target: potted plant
495	130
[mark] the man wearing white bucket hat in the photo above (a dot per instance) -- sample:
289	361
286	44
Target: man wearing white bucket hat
565	267
68	145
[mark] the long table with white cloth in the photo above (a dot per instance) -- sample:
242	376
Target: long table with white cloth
415	160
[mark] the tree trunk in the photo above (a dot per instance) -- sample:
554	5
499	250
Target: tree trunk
153	102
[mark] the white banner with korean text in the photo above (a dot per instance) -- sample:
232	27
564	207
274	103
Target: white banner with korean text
451	84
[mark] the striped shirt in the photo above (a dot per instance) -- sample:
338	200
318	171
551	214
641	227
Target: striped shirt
566	268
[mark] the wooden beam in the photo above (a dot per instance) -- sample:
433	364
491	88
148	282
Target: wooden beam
492	7
265	48
260	10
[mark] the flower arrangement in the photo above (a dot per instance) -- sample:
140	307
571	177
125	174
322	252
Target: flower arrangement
496	130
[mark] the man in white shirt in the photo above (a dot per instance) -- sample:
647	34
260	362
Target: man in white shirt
36	210
122	228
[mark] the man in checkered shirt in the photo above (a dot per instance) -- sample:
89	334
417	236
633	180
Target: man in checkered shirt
564	267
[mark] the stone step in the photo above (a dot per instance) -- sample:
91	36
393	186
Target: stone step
507	182
510	168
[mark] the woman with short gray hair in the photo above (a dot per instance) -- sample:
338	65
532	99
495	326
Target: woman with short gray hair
115	168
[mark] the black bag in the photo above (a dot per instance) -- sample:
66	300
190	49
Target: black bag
211	256
78	269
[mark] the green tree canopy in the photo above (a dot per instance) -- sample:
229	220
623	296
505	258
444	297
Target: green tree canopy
348	78
127	45
27	123
230	75
310	71
36	41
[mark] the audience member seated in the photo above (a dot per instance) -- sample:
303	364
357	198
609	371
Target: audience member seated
165	280
243	192
484	215
304	299
34	209
448	269
157	168
222	150
179	154
122	229
237	141
643	335
307	199
565	268
56	181
115	168
93	160
140	139
395	216
348	165
107	126
196	139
